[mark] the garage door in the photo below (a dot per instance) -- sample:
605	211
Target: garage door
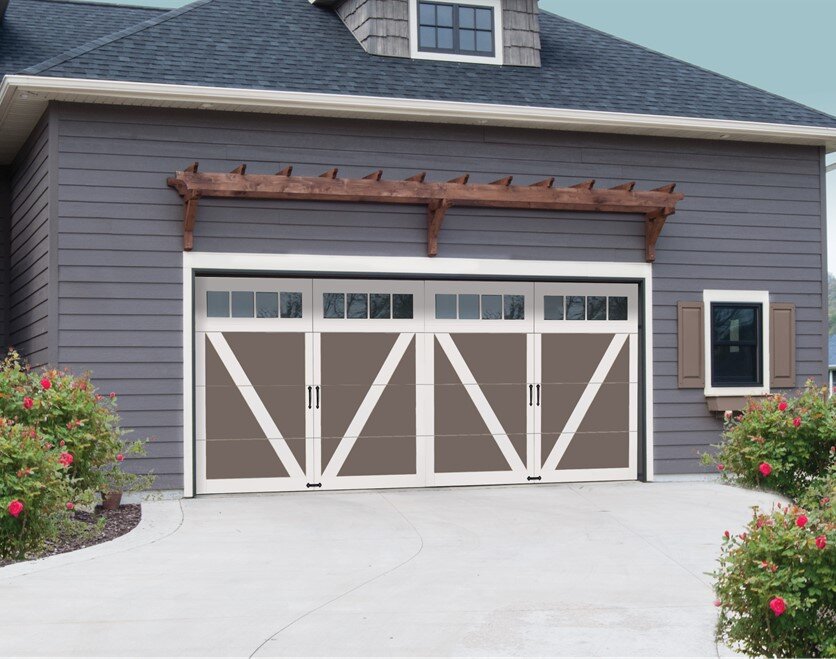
339	384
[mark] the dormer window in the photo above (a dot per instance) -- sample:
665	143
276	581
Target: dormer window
467	31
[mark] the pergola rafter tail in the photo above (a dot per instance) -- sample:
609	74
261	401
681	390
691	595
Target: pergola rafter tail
656	205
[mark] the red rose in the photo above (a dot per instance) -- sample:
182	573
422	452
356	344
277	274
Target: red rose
821	542
782	405
70	505
765	468
726	534
778	606
28	403
15	508
46	383
120	457
113	394
721	467
796	421
66	459
801	521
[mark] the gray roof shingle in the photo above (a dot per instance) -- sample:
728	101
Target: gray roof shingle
34	30
290	45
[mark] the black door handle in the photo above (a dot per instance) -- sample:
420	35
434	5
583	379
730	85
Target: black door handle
538	395
317	396
309	397
530	395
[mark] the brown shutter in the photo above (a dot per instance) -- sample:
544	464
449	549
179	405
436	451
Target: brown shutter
781	345
691	345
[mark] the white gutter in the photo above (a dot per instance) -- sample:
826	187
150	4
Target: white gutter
18	90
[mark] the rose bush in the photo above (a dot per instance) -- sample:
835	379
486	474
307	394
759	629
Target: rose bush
60	442
778	443
776	583
33	488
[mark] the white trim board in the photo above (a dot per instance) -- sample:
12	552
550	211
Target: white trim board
314	264
24	98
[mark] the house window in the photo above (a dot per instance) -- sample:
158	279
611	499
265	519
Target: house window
736	344
456	30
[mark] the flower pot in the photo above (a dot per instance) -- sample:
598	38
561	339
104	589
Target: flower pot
111	500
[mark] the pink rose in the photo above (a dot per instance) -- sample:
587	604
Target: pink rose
120	457
726	535
821	542
15	508
28	403
782	405
718	603
796	421
113	394
70	505
778	606
801	521
765	468
66	459
728	415
721	467
46	383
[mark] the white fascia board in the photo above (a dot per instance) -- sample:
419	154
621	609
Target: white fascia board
19	91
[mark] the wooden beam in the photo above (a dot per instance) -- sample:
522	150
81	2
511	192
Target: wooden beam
189	219
436	210
670	187
191	169
331	173
287	171
240	170
545	183
436	196
654	223
585	185
461	180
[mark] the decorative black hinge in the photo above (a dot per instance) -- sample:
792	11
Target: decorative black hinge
535	478
313	485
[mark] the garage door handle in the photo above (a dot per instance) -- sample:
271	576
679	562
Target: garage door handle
538	395
530	395
309	397
317	396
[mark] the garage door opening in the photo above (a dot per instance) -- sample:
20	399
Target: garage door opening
340	384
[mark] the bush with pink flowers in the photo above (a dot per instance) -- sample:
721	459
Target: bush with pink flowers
61	443
776	583
778	443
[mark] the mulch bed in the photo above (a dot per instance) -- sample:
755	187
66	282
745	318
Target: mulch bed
117	522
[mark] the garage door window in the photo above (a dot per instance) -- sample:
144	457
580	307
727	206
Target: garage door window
471	306
253	304
584	307
363	306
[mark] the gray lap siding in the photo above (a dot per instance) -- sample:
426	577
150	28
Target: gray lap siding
751	219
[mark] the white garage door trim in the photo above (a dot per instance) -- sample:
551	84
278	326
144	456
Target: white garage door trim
313	265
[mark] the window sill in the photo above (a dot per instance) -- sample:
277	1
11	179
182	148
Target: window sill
735	403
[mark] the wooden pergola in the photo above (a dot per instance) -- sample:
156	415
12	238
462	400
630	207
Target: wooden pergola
656	205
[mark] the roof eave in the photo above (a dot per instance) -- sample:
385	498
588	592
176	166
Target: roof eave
24	98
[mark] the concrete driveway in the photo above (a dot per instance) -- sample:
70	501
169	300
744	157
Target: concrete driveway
593	569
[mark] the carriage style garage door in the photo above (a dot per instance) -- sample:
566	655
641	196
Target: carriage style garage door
335	384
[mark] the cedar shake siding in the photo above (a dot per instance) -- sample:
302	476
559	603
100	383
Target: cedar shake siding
29	247
752	218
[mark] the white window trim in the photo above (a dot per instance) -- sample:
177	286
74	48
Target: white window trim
205	262
496	5
746	297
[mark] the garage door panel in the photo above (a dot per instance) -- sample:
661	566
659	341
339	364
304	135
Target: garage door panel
597	450
242	459
490	358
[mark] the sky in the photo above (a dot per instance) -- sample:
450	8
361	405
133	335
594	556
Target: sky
784	46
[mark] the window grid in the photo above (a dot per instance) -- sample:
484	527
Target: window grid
367	306
585	307
253	304
474	306
456	29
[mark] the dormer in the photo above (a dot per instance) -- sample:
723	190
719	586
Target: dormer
505	32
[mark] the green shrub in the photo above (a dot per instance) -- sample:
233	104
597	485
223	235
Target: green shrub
72	415
778	443
776	584
34	489
60	442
